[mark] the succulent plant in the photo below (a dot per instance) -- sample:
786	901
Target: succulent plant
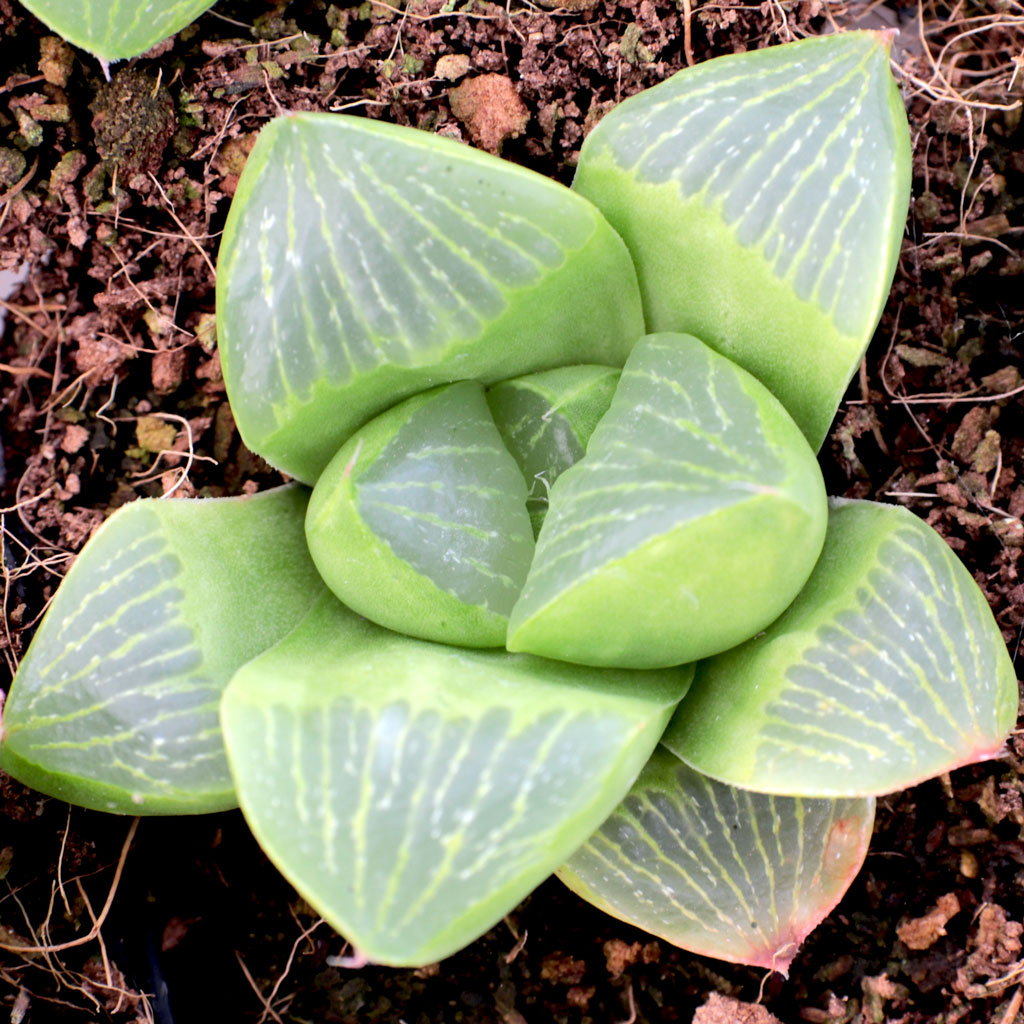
567	592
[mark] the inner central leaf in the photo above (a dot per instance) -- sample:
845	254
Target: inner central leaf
447	498
695	478
546	420
420	523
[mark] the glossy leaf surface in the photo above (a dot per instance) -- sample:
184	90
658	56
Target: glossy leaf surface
117	29
115	704
363	262
887	669
728	873
546	420
420	522
695	479
414	793
763	197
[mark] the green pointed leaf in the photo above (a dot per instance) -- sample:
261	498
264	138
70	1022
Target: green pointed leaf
414	793
887	669
117	29
740	876
115	704
781	174
695	479
420	522
363	262
546	419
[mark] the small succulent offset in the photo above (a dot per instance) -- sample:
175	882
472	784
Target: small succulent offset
567	593
117	29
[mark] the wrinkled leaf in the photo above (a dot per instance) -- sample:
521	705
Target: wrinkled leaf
692	521
763	197
886	670
115	704
414	793
728	873
363	262
117	29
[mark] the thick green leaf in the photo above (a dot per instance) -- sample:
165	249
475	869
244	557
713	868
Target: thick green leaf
763	197
420	522
546	419
115	705
887	669
116	29
414	793
363	262
741	876
692	521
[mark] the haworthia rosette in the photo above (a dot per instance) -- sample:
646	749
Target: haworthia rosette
888	668
414	793
115	704
546	420
740	876
420	523
363	262
694	518
781	174
117	29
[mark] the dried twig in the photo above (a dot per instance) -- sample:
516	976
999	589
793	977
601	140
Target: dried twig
177	220
108	903
268	1010
271	999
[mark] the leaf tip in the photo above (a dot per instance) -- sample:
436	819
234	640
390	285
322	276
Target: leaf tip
985	750
885	37
783	957
777	957
354	961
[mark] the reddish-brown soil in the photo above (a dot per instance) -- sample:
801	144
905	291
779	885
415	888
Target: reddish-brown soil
113	196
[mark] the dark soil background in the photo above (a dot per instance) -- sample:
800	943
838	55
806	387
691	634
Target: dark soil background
112	197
